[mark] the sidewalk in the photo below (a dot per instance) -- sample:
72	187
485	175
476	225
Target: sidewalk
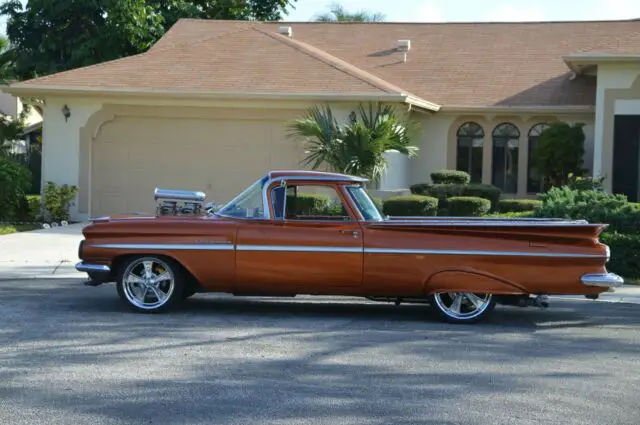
43	253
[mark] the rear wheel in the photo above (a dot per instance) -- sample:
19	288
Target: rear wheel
150	283
462	307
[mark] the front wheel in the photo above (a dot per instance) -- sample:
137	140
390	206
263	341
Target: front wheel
150	283
462	307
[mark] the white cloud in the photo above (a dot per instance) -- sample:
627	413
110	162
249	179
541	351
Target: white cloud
512	13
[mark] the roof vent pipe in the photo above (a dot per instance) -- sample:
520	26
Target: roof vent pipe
287	30
404	46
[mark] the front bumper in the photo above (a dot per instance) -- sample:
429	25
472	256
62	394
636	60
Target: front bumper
603	280
98	273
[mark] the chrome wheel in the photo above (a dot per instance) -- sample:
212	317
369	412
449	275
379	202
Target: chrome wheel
148	283
463	306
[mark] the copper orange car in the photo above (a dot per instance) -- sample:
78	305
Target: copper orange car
304	232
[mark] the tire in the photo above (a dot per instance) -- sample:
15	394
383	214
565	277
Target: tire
472	308
138	289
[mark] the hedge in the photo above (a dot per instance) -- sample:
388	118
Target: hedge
308	204
450	177
468	206
517	205
15	182
445	191
625	253
410	205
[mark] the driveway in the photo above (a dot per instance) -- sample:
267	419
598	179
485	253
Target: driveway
70	354
42	253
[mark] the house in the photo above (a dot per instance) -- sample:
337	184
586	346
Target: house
206	107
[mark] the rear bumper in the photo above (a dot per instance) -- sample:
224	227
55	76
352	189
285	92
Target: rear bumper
603	280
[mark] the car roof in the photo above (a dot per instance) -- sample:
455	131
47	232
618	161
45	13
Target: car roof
314	175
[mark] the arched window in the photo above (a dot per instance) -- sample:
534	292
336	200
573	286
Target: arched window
470	138
534	179
506	138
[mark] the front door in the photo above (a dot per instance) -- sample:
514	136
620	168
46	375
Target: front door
313	245
626	156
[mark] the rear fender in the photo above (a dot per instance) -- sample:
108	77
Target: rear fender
467	280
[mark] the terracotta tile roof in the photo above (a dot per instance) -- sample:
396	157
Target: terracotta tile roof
470	64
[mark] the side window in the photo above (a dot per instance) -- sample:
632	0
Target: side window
309	202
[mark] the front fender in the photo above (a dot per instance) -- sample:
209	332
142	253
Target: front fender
471	280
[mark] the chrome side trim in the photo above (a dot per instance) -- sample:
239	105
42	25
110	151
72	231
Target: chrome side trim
478	252
301	248
227	246
604	280
221	246
85	267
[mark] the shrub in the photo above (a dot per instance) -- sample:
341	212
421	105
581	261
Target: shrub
517	205
15	182
411	205
560	152
57	200
378	201
468	206
450	177
445	191
591	205
625	253
523	214
308	204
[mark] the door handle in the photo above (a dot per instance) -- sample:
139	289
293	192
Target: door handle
353	233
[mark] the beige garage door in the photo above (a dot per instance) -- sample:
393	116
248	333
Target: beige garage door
133	155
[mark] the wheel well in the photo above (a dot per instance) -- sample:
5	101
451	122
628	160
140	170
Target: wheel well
191	282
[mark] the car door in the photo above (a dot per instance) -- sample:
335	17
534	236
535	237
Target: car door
312	244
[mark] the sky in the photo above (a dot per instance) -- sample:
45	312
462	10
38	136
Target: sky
470	10
478	10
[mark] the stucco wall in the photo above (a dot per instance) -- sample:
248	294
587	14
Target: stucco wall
67	144
61	142
614	91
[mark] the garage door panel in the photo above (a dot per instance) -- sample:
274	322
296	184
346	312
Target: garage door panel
131	156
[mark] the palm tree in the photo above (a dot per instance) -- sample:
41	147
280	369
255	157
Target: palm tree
357	146
337	13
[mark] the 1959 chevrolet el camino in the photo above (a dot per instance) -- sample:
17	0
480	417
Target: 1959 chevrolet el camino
273	239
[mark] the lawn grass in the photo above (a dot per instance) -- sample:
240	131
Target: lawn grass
7	229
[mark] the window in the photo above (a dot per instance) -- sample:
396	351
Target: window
248	204
308	202
506	141
534	179
470	138
364	203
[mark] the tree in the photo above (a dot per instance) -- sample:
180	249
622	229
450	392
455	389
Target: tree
52	36
337	13
559	153
356	146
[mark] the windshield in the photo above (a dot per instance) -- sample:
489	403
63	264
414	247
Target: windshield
248	204
365	204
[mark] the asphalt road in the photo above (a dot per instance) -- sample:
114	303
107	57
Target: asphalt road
70	354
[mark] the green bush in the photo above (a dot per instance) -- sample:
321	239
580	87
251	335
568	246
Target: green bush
450	177
445	191
419	188
309	204
523	214
411	205
468	206
57	200
591	205
484	191
517	205
625	253
379	202
15	182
